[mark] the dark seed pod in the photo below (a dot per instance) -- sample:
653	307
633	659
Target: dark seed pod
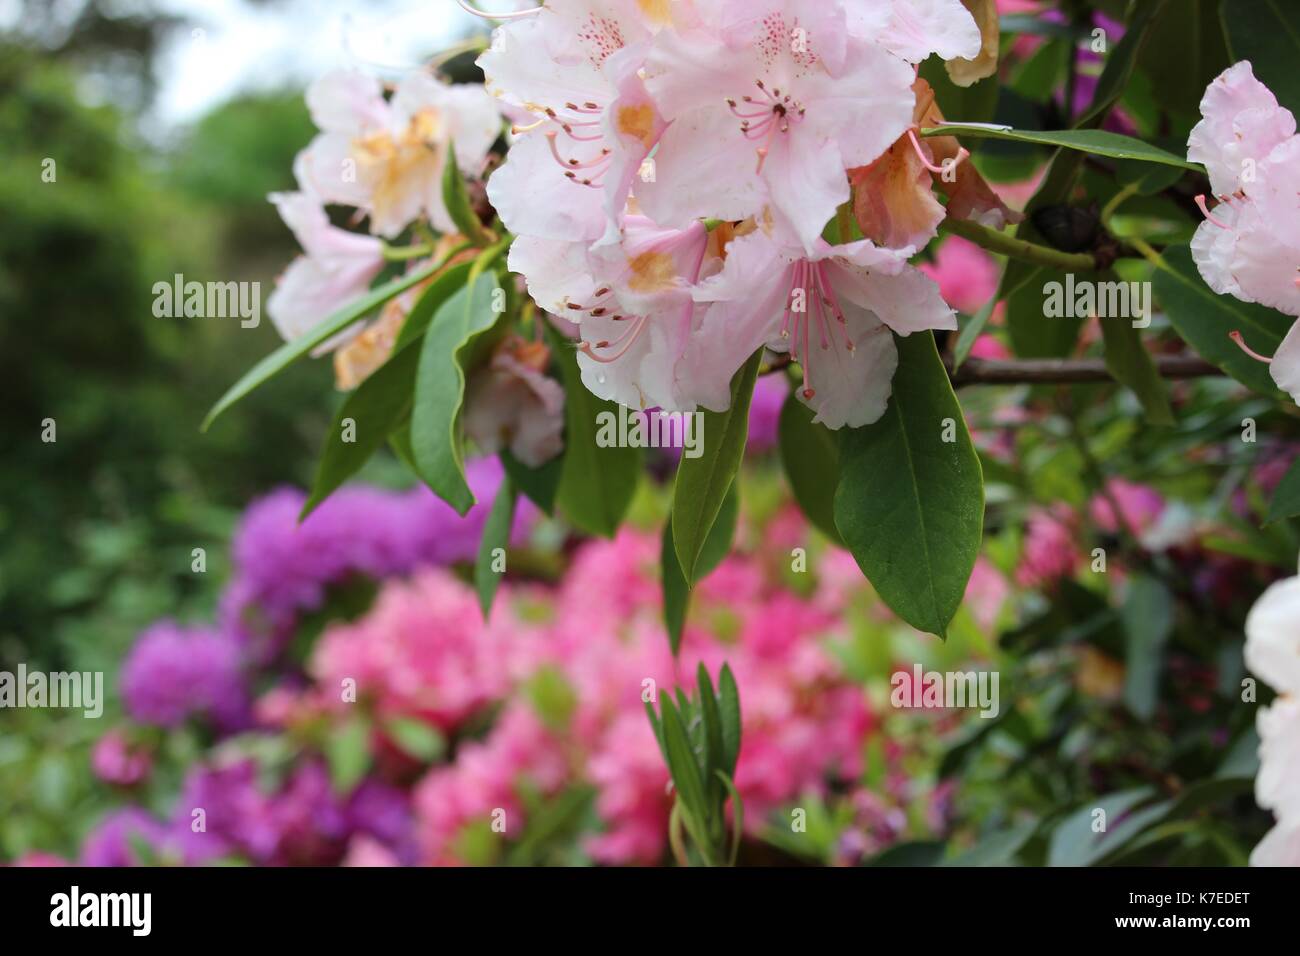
1069	228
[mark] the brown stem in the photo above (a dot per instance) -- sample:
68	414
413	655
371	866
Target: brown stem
976	371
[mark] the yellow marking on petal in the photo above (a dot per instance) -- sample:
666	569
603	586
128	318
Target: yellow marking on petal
638	121
658	12
652	272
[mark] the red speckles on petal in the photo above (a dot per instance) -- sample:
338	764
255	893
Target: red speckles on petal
602	37
776	38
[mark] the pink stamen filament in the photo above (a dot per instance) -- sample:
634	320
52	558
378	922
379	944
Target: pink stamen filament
962	155
630	336
1205	211
1241	344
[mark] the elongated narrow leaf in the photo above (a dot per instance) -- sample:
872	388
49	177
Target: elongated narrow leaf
1132	365
682	764
382	401
1267	33
436	439
677	593
714	751
910	505
363	424
496	538
596	484
810	454
1204	319
456	199
729	709
290	352
1098	142
703	483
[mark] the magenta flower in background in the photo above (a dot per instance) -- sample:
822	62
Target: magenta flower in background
115	760
173	673
284	568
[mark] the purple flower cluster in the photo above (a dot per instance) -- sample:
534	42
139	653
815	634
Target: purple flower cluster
173	672
284	568
225	811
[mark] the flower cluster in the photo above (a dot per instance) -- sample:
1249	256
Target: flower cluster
1249	245
675	168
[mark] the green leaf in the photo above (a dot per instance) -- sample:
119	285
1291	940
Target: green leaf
456	199
1148	619
375	408
383	401
681	763
1131	364
703	483
446	356
347	751
1286	498
677	593
1075	843
1191	52
1033	334
729	709
596	484
290	352
1097	142
714	751
910	506
999	849
539	484
440	290
1204	318
914	853
416	738
1267	33
811	456
496	534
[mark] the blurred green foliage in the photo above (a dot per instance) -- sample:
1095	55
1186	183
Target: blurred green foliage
97	527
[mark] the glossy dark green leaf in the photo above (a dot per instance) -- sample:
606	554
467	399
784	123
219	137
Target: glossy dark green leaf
496	535
729	709
436	439
1096	142
1267	33
539	484
703	483
811	456
1204	319
910	505
596	484
677	593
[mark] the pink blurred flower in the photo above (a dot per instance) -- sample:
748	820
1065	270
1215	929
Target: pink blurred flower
115	760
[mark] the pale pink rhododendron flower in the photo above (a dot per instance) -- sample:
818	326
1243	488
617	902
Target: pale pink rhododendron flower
833	309
649	118
768	105
336	267
386	156
1249	244
510	403
1273	655
633	304
575	67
